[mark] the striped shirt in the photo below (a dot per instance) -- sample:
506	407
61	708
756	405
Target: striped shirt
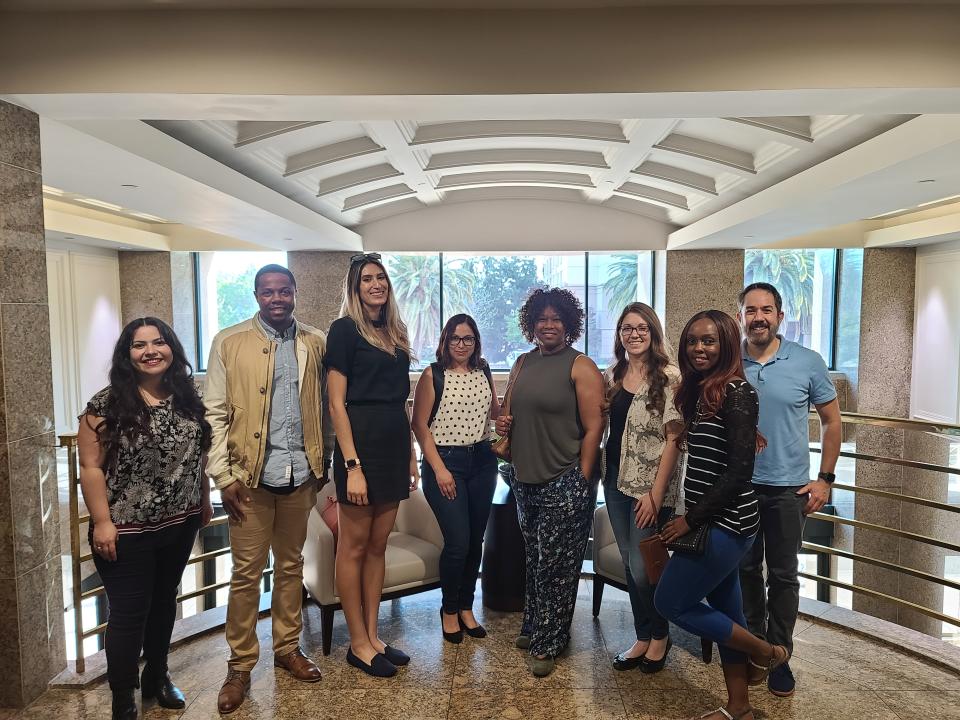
722	449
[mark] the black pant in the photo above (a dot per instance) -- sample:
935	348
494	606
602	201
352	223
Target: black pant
462	520
771	611
141	589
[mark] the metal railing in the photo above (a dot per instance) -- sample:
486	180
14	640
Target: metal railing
68	441
943	429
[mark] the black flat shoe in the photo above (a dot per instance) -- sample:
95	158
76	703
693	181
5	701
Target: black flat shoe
396	657
451	637
649	666
475	632
378	667
623	662
124	706
161	687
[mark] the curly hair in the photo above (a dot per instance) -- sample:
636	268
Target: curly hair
566	305
127	415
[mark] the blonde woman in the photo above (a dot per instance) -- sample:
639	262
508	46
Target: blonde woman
374	466
639	467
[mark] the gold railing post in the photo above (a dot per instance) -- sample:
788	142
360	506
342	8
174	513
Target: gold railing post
69	441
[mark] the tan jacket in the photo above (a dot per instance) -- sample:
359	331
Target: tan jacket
237	396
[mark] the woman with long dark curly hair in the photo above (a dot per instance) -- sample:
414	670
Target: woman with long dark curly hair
639	467
556	425
142	443
720	410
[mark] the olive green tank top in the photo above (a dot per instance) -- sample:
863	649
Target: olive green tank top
545	439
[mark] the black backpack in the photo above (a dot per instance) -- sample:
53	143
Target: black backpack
438	386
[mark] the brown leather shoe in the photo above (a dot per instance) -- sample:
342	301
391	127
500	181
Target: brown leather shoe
233	691
299	665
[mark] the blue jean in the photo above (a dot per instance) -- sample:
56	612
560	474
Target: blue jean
715	575
462	520
620	509
555	519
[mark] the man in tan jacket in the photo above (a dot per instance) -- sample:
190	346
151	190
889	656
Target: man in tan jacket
265	402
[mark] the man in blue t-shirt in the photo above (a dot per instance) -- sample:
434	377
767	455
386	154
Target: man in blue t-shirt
788	378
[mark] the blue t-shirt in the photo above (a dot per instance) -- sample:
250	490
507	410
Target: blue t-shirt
788	385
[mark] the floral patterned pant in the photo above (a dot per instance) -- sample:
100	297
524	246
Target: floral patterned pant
555	518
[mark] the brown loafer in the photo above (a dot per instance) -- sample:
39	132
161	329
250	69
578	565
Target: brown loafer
299	665
233	691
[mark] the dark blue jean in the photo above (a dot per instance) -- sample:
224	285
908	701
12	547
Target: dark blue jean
647	622
715	575
462	520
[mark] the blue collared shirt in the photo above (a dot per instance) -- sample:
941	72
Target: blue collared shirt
285	464
787	385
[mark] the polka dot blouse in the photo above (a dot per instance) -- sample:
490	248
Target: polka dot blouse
464	408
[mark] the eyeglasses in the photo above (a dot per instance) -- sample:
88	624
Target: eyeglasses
468	341
628	330
364	257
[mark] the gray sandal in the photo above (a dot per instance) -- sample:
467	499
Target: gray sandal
756	673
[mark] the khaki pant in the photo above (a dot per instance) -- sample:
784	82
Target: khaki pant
278	522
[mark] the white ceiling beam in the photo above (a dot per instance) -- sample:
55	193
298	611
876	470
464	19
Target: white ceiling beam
389	209
379	195
793	130
481	129
920	232
730	158
519	156
328	154
703	184
654	195
251	133
519	177
395	140
363	176
641	135
637	207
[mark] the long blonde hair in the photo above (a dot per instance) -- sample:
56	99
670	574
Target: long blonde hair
352	307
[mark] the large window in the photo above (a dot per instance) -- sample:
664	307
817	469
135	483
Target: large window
807	280
431	287
225	292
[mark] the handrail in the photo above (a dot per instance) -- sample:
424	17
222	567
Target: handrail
854	418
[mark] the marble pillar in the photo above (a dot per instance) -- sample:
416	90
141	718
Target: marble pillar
700	280
146	286
32	649
886	352
319	284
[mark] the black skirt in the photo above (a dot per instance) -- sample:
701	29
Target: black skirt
381	435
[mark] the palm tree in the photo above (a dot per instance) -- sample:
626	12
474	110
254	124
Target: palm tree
620	287
791	272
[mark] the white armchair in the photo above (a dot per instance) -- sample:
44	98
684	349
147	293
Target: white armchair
607	563
412	559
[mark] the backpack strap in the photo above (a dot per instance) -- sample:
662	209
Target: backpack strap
437	371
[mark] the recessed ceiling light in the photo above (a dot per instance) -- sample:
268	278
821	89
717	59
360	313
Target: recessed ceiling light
129	185
69	237
748	237
928	180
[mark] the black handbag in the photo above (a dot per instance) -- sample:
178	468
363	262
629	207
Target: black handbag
693	543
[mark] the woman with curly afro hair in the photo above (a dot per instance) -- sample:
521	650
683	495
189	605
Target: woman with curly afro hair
556	424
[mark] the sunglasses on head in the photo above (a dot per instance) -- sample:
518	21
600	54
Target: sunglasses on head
364	257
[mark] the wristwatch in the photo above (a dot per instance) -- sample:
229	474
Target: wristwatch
351	463
827	477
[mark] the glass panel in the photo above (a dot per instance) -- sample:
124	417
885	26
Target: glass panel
416	283
848	314
806	280
492	288
615	280
225	285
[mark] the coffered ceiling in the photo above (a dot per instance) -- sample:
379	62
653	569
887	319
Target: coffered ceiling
669	169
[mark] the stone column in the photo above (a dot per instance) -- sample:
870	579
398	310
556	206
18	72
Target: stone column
700	280
886	359
319	283
32	649
146	288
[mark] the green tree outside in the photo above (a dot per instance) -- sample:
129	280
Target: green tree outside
235	300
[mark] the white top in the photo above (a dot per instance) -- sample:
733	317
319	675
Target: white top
464	409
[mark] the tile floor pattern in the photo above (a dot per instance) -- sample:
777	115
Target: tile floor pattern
840	675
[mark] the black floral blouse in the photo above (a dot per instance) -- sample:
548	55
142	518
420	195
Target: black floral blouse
155	482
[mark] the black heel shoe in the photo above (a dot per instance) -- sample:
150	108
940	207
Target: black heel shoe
378	667
159	685
451	637
477	632
649	666
124	706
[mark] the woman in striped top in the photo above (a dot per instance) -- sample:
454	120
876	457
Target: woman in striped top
719	409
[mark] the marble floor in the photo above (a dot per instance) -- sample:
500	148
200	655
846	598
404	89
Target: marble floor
840	675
